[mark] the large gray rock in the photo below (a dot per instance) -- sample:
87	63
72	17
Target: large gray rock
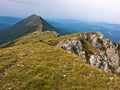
108	50
100	62
94	38
108	57
73	45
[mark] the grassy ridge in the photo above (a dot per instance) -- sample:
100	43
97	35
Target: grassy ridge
38	66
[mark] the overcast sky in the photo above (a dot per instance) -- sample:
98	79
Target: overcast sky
95	10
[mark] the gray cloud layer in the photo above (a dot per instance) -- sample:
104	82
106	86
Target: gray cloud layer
100	10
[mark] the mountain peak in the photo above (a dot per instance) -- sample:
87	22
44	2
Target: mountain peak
24	27
33	16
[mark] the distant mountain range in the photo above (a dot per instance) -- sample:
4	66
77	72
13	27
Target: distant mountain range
67	26
111	31
6	22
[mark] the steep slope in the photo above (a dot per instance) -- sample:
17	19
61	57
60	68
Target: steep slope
95	49
39	65
26	26
32	38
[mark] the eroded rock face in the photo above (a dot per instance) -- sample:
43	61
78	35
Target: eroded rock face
73	45
100	62
108	57
108	52
94	38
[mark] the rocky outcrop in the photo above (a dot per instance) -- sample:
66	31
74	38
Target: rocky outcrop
73	45
107	57
100	61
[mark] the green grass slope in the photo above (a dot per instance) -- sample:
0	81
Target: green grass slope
34	37
37	64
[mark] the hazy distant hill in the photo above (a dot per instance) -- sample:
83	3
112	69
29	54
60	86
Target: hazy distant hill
111	31
26	26
6	22
67	26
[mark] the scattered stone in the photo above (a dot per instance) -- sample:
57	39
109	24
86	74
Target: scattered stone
32	51
6	73
64	75
9	88
18	65
111	78
22	65
65	66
